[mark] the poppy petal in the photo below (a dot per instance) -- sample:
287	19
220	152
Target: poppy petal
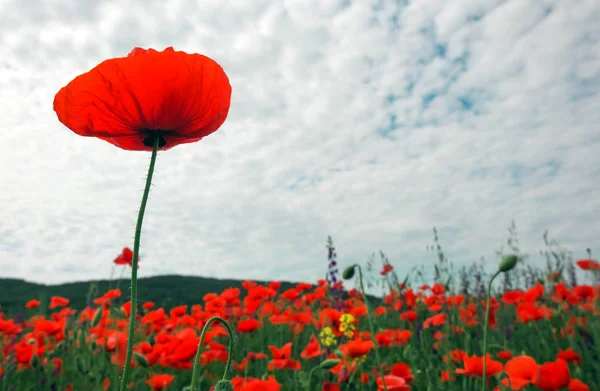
122	100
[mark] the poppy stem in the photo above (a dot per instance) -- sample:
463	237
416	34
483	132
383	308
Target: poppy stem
134	267
485	330
379	363
201	345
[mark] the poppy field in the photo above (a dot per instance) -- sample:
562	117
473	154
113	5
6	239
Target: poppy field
316	337
540	333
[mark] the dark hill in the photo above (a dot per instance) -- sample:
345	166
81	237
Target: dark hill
167	291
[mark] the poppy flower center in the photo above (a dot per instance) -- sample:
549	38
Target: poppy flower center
152	133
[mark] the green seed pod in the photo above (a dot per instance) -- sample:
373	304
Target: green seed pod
35	362
80	365
508	263
81	338
224	385
348	272
329	363
140	359
97	316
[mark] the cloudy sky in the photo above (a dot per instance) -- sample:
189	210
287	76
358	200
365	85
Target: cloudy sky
371	121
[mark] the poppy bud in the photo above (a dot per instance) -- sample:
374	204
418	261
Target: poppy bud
140	359
348	272
224	385
80	366
81	338
329	363
97	316
35	362
508	263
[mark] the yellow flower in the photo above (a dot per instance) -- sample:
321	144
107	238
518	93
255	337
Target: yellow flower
347	325
327	337
361	359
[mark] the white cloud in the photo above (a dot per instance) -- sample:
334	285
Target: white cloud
368	121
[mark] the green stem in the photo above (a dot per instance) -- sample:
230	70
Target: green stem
134	266
503	374
362	289
201	345
310	375
485	329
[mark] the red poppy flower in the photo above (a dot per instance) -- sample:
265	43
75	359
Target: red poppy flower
33	303
392	383
178	96
520	371
312	349
58	301
402	370
386	269
330	387
125	258
474	367
281	358
248	325
504	355
569	355
160	381
358	348
552	376
588	264
578	385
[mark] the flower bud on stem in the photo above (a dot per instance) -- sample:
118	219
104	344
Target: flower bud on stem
224	384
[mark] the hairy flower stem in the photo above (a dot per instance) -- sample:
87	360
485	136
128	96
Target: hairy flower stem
201	345
310	376
485	330
134	267
362	290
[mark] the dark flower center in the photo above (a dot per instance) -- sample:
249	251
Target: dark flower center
152	133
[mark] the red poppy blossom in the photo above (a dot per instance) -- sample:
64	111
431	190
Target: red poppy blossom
58	301
578	385
330	387
33	303
125	258
248	325
588	264
402	370
281	358
177	96
520	371
392	383
358	348
569	355
504	355
552	376
386	269
473	366
160	381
